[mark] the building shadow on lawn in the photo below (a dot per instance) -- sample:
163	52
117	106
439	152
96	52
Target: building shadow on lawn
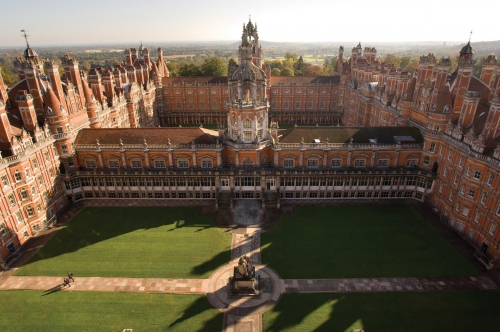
97	224
218	260
195	309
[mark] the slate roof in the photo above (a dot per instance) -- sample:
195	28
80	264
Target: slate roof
384	135
197	80
151	135
305	79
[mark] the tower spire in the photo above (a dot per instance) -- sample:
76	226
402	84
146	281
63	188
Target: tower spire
25	37
470	36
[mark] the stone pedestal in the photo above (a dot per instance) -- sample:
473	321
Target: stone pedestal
243	286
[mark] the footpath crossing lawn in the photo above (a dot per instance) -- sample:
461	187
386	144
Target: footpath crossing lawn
360	242
427	311
142	242
96	311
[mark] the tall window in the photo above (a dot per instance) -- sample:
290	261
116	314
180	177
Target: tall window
5	180
178	104
285	104
310	104
247	132
322	104
297	104
202	104
214	104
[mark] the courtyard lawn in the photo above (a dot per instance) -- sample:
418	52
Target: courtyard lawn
360	242
142	242
95	311
427	311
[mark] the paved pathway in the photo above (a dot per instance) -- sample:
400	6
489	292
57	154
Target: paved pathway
150	285
386	284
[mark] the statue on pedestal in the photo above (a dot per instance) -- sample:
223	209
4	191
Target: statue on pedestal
243	282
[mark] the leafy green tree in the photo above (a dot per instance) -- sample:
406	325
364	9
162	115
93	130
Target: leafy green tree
9	76
189	69
214	66
391	59
287	72
276	64
405	61
299	63
275	72
309	69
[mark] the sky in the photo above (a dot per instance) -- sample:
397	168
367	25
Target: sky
57	22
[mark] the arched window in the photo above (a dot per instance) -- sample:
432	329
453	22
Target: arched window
202	104
285	104
297	104
166	105
273	104
178	104
214	104
322	104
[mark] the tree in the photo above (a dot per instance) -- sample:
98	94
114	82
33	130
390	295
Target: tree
276	64
275	72
309	69
405	61
299	63
391	59
214	66
189	69
287	72
9	77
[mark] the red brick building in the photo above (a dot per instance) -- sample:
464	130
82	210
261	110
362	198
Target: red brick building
387	134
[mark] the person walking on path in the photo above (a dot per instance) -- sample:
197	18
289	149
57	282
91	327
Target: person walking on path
66	282
70	277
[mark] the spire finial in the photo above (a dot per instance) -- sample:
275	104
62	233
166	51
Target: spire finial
470	36
249	18
25	37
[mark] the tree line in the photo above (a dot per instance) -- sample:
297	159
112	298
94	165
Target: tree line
210	65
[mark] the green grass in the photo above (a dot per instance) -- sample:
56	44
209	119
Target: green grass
363	242
95	311
427	311
142	242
